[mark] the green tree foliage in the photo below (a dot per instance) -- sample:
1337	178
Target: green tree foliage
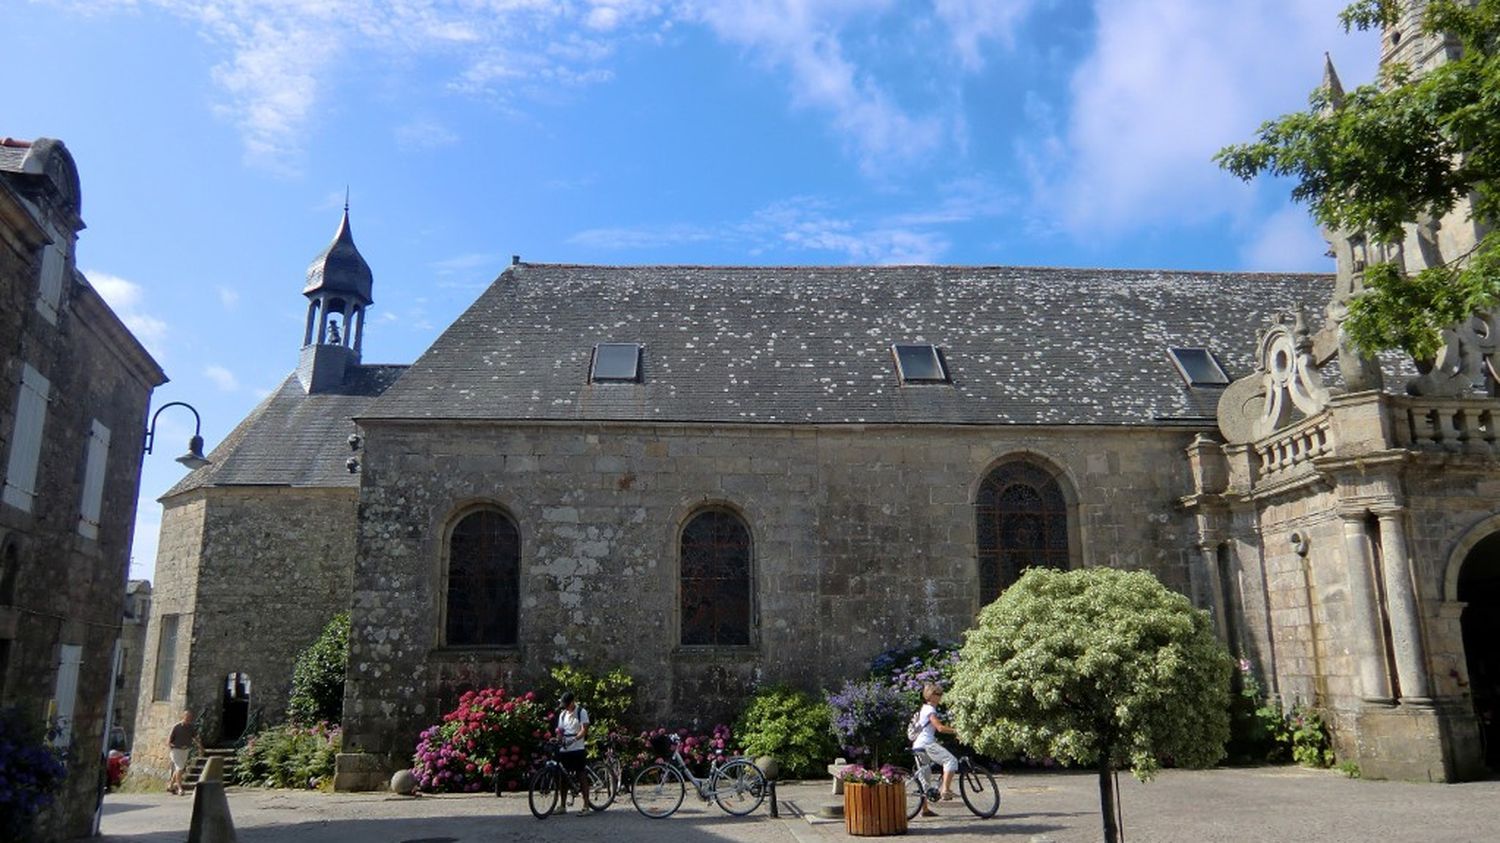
318	678
790	726
607	697
1096	667
1407	149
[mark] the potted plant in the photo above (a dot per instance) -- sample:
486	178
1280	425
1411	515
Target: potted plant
874	801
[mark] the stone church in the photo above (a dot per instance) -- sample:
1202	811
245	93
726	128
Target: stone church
718	477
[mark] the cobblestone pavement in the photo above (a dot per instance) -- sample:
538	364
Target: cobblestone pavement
1283	804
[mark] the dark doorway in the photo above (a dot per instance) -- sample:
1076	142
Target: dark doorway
236	706
1479	587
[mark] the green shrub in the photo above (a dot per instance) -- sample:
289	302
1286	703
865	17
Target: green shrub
790	726
289	756
318	678
1312	746
1257	727
607	698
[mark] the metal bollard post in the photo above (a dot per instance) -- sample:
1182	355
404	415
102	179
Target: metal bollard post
774	812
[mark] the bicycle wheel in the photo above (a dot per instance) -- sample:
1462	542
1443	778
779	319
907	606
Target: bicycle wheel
657	791
542	796
980	792
915	797
739	787
601	786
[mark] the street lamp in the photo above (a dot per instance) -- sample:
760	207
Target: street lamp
194	458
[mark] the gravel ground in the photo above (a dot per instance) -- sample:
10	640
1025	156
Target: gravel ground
1283	804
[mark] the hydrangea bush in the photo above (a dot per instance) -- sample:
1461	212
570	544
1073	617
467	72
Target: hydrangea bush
30	774
697	748
489	740
789	725
909	667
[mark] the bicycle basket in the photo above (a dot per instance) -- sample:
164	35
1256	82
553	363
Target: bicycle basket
661	745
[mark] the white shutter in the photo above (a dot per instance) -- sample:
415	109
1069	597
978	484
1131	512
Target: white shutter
66	695
93	481
26	440
50	297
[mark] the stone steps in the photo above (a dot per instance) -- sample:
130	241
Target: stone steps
195	767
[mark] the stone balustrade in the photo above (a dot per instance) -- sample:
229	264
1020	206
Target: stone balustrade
1459	425
1294	445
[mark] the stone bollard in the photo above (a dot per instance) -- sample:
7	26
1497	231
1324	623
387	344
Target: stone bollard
834	769
211	822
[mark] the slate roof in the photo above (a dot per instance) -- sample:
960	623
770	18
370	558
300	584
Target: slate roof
812	344
292	438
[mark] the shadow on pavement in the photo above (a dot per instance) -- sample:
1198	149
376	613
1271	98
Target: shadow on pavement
114	806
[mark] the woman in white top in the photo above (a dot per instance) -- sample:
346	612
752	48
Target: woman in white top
927	741
573	727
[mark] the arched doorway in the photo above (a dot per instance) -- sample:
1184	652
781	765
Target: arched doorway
236	706
1479	587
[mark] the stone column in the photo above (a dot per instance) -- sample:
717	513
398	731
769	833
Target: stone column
312	314
1401	603
1369	644
1209	551
322	320
359	329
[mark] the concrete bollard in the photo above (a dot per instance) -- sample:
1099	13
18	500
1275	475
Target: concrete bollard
211	822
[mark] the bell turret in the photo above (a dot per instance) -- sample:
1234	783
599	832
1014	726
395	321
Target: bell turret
339	289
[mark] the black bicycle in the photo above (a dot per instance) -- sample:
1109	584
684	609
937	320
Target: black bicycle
976	785
552	787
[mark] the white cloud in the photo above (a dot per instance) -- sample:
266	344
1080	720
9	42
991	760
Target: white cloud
222	377
1167	84
420	135
229	297
1288	241
126	299
972	22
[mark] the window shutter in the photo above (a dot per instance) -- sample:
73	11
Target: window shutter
93	481
66	695
26	440
50	298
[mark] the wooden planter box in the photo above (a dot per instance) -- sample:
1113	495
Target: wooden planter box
872	810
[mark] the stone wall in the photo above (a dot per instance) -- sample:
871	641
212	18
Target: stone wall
132	656
67	589
255	573
863	538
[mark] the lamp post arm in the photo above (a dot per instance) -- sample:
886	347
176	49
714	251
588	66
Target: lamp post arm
151	428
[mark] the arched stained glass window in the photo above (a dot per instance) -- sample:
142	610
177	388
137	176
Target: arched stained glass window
484	553
1022	522
715	553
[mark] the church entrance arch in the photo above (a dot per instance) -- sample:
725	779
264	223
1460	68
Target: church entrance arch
236	714
1479	587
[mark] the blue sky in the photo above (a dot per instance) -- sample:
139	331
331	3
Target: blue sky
216	137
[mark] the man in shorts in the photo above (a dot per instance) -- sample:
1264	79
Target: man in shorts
184	736
573	727
926	740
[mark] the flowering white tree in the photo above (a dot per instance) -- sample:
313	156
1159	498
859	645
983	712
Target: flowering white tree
1096	667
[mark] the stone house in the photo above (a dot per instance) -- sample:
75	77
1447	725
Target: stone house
73	397
132	660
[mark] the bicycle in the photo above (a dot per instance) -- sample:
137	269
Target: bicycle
976	786
605	776
552	787
735	784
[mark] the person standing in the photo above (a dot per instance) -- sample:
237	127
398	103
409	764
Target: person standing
573	727
184	736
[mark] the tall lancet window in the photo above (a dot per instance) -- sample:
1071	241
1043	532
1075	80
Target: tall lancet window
716	580
1022	522
483	582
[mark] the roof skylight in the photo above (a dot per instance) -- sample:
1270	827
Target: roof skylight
616	362
1198	367
919	363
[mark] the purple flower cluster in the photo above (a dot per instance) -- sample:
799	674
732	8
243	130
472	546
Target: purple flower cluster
867	714
863	775
491	739
911	666
30	773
